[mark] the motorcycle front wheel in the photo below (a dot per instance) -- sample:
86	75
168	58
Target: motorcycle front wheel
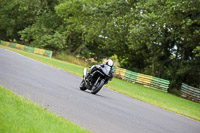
98	87
82	86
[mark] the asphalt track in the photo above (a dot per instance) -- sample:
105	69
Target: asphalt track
106	112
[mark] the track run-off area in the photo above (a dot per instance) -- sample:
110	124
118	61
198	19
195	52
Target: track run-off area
106	112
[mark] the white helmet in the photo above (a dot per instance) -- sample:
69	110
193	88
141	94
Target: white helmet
109	62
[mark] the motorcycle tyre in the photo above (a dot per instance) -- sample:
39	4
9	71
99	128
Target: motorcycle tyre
98	88
82	86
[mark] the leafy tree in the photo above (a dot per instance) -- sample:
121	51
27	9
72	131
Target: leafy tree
15	15
85	27
170	30
47	32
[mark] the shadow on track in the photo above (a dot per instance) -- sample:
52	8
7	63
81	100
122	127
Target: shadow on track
96	94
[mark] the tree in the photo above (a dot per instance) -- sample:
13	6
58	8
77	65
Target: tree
15	15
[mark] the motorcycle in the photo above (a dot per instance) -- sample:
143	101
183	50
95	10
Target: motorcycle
96	79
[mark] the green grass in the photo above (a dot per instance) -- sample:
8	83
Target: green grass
19	115
155	97
71	59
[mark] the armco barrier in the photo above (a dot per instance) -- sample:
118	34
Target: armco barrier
39	51
19	46
142	79
27	48
48	53
1	42
5	43
160	84
190	93
120	73
12	45
130	76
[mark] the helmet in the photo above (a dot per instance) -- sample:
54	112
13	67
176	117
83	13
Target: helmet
109	62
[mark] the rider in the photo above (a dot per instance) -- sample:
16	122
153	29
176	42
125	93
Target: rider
109	62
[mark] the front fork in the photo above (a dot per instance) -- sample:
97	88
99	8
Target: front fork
84	72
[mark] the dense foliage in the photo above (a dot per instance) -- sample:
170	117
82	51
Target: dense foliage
155	37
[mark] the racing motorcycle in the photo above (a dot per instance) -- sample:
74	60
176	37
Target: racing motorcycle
95	80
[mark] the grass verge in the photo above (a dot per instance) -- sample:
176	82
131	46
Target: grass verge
155	97
18	115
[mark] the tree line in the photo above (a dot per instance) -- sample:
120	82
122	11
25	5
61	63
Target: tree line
156	37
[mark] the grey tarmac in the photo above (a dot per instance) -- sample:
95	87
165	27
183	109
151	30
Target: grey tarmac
106	112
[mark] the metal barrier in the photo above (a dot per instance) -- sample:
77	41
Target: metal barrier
190	93
27	48
120	73
159	83
142	79
130	76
